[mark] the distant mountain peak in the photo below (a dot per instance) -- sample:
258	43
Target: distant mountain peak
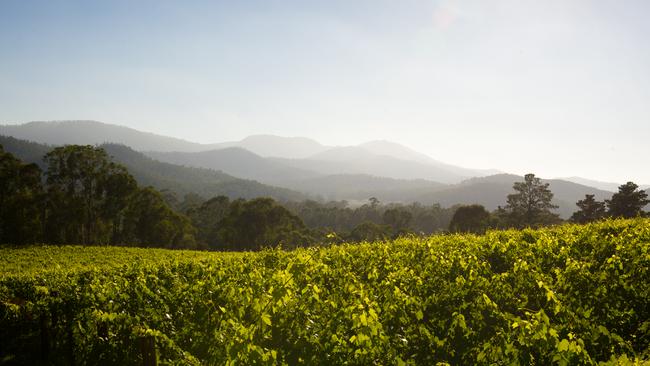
278	146
607	186
89	132
267	137
343	153
394	149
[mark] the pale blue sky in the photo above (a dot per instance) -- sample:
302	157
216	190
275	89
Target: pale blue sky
555	87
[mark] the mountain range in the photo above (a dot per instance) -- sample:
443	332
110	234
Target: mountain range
380	158
164	176
335	161
289	168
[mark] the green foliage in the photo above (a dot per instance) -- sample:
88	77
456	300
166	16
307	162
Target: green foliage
340	217
21	197
261	222
27	151
369	231
149	172
470	219
590	210
398	219
150	222
567	295
219	229
88	200
207	217
628	202
87	194
531	206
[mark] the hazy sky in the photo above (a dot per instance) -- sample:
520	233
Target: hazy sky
555	87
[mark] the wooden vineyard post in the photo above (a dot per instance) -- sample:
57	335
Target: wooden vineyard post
45	337
71	357
148	350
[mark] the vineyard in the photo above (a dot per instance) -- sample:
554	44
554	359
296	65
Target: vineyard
568	295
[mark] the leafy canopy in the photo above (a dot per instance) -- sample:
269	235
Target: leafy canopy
628	202
470	219
531	204
590	210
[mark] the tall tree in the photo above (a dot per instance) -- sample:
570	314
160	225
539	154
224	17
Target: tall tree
369	231
21	196
398	219
590	210
150	222
207	219
87	195
531	205
628	202
470	219
261	222
89	200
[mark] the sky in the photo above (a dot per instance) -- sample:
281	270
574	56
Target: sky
556	87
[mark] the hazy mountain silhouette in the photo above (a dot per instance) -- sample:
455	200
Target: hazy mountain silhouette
606	186
244	164
96	133
388	148
205	182
384	147
360	187
386	170
379	158
492	191
277	146
351	160
27	151
357	160
238	162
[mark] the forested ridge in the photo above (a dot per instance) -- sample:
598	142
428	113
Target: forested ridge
79	194
150	172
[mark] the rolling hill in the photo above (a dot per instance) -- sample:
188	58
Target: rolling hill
350	160
238	162
205	182
360	187
357	160
179	179
277	146
245	164
492	191
605	186
95	133
27	151
382	169
378	158
388	148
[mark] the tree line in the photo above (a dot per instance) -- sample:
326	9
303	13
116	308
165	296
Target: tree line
239	224
531	206
82	197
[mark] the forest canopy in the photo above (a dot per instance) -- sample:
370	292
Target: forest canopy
80	195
